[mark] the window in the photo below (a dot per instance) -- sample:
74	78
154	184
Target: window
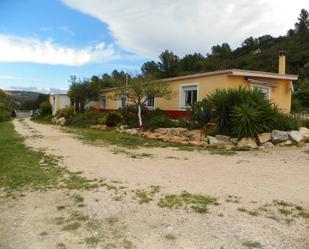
122	102
264	89
188	95
150	102
102	102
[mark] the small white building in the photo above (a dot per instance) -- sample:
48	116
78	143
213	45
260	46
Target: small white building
59	101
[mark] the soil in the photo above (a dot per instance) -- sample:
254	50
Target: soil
110	219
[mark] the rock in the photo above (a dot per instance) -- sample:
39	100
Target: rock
234	140
285	143
305	132
247	142
264	137
161	131
267	145
296	136
131	131
194	135
152	135
60	121
175	139
219	143
123	127
54	120
212	140
223	138
279	136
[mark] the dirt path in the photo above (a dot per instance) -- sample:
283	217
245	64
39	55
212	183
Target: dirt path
248	179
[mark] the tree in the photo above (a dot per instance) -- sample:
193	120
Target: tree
150	69
140	90
169	64
302	26
82	92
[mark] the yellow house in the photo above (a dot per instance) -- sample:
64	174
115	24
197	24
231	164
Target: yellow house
188	89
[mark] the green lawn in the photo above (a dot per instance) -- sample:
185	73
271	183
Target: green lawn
21	166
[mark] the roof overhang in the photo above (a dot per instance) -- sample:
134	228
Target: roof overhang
263	83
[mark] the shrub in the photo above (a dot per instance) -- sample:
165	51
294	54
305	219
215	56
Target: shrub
130	117
158	119
45	108
67	112
5	115
245	121
305	123
85	119
285	122
200	112
114	119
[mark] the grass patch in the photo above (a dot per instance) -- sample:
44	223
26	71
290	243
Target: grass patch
21	166
78	198
252	244
61	246
198	203
92	240
43	234
146	196
219	151
306	151
72	226
170	236
132	154
250	212
75	181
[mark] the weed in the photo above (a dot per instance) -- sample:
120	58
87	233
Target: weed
71	227
43	234
79	216
220	151
170	236
252	244
112	220
78	198
92	240
198	203
61	207
61	246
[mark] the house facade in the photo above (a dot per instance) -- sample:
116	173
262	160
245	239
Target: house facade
59	101
188	89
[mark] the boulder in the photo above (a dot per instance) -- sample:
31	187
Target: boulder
175	139
296	136
264	137
223	138
151	135
60	121
131	131
267	145
196	143
234	140
279	136
194	135
285	143
247	142
219	143
54	120
305	132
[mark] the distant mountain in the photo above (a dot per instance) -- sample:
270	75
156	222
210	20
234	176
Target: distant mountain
23	96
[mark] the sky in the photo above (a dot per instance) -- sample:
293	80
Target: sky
43	42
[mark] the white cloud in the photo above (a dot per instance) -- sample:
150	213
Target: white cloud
149	27
19	49
67	30
47	29
10	77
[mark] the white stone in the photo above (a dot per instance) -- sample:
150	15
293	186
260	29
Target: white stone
267	145
296	136
264	137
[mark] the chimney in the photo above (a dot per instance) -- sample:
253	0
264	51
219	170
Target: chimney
281	69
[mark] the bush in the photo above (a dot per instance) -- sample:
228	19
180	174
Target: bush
241	112
67	112
114	119
85	119
200	112
130	117
5	115
305	123
158	119
45	108
285	122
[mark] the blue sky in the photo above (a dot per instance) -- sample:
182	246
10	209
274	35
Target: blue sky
43	42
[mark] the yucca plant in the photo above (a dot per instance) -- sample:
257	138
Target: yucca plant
246	121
